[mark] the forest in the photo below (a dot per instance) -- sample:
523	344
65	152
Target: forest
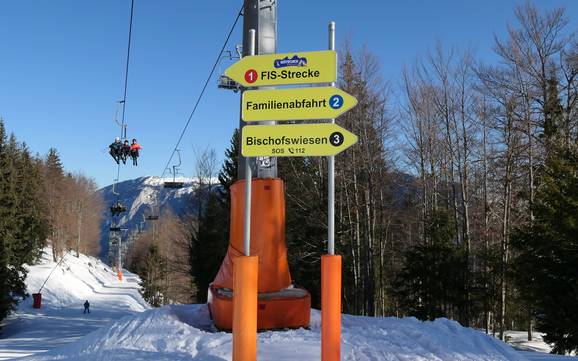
41	204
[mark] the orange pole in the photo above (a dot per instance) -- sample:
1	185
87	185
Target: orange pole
245	279
119	275
330	308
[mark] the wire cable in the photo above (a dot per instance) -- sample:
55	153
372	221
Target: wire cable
203	90
127	65
123	101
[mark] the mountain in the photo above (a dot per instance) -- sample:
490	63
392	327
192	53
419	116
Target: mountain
142	197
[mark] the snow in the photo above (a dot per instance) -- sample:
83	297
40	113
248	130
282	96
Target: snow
193	337
519	340
535	350
60	320
122	327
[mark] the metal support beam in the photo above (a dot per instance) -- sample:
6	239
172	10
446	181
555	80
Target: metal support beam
260	15
248	177
331	173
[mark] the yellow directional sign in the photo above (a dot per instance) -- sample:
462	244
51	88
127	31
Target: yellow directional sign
285	69
295	104
295	140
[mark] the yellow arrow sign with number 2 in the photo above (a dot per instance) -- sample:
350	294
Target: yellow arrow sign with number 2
295	104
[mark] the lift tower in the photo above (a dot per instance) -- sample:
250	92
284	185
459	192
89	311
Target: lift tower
260	15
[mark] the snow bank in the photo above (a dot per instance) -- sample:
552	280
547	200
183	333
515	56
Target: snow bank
186	332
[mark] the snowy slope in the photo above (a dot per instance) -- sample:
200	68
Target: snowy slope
60	320
121	327
190	336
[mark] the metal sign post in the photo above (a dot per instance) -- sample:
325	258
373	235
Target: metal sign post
245	273
248	175
331	266
290	140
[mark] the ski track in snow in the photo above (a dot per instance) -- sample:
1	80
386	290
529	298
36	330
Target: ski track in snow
122	327
61	321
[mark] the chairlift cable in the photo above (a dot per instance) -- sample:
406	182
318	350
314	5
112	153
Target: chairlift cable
123	101
123	126
203	90
123	129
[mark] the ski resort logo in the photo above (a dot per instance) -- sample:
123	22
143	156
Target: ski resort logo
294	61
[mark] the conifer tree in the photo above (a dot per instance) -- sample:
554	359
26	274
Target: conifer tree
545	267
53	190
546	264
430	285
22	222
210	239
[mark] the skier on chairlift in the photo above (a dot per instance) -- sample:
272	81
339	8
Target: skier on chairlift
125	151
115	150
134	151
117	208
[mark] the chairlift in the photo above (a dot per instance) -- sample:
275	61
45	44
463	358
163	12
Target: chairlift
174	184
153	214
224	82
116	149
117	208
114	229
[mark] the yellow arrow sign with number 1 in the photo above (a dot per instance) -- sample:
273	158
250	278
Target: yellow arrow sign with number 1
295	104
295	140
285	69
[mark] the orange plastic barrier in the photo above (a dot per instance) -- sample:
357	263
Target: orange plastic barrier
119	275
280	306
330	308
245	303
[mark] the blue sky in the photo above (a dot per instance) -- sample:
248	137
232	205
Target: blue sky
62	65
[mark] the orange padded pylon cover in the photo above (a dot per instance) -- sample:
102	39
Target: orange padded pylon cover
267	235
290	308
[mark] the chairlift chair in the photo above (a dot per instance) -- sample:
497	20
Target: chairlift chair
114	229
153	213
117	208
174	184
224	82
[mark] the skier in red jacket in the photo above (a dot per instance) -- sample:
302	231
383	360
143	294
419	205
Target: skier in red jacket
134	151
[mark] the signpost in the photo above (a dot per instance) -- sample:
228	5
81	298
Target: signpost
295	104
295	140
290	140
285	69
